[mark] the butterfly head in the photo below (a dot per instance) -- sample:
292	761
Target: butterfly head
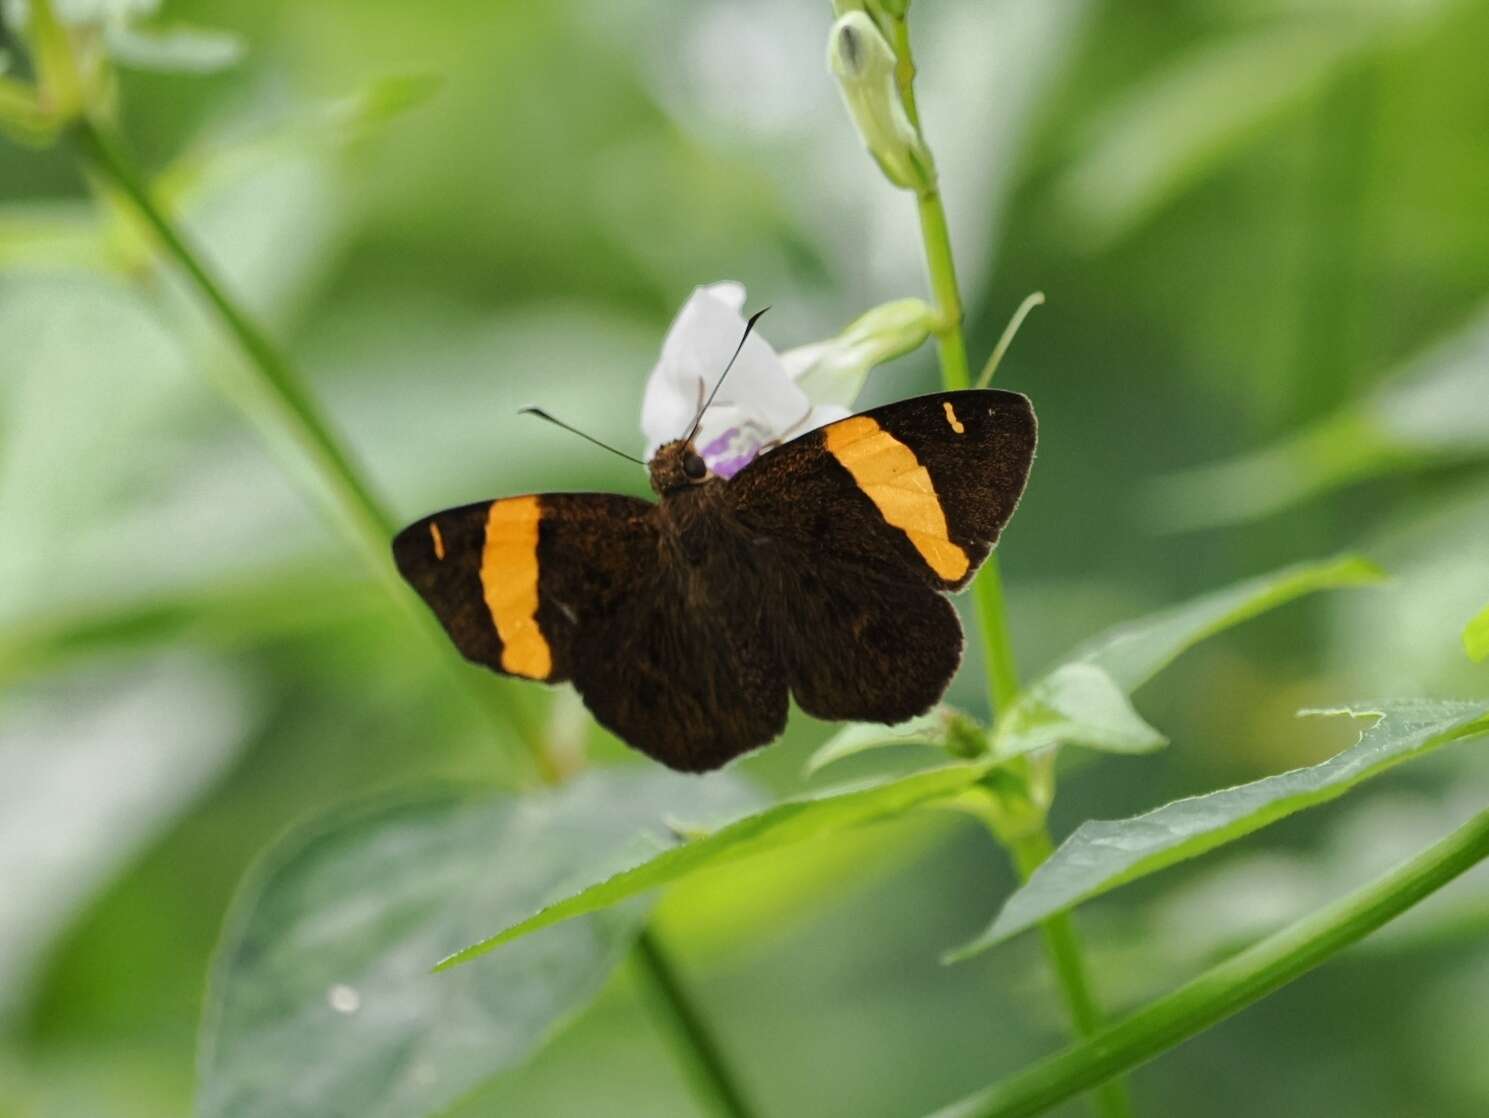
677	465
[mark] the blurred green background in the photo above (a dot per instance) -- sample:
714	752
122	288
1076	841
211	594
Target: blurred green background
1250	218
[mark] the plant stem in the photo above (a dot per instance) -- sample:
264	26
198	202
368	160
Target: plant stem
1061	942
1063	947
694	1043
951	345
1231	986
344	493
951	350
353	505
997	644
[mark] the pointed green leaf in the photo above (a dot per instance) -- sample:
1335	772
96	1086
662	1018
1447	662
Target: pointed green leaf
21	116
1076	704
95	764
1168	132
1476	636
1183	121
782	824
1335	452
330	126
1101	855
1083	701
861	737
383	100
1429	411
322	1000
1134	652
51	234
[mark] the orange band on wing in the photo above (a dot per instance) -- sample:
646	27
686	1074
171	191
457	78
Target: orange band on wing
509	580
900	487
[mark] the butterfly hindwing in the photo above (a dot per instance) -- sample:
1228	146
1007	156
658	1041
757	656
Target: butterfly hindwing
515	582
918	490
687	676
857	647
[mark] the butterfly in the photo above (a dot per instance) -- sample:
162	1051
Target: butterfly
820	571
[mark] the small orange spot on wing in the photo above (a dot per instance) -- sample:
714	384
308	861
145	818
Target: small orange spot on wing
956	424
439	540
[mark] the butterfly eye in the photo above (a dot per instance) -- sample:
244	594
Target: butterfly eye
694	467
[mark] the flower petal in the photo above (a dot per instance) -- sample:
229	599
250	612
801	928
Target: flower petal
729	292
758	397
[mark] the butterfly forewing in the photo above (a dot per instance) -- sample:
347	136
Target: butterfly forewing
918	490
515	582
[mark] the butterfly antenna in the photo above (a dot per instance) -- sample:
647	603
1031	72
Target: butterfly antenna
750	325
541	414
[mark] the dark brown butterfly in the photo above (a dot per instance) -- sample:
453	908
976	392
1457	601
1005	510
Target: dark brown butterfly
818	571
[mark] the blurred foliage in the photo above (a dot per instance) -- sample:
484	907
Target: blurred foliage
1246	217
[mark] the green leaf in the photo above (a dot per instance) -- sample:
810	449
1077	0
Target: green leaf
1083	701
1101	855
95	765
384	100
1076	704
1476	636
322	1000
1184	121
229	612
173	48
1336	452
782	824
1136	651
51	234
329	127
1231	986
21	116
1167	133
861	737
1430	411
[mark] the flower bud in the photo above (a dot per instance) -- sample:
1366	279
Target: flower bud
833	372
60	85
881	11
72	72
864	64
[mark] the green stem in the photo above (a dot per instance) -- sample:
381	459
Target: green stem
1061	942
1063	948
695	1045
997	644
289	409
951	345
951	350
353	505
1231	986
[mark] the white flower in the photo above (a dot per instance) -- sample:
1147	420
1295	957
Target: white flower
759	403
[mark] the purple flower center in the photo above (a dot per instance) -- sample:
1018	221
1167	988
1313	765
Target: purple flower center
731	452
